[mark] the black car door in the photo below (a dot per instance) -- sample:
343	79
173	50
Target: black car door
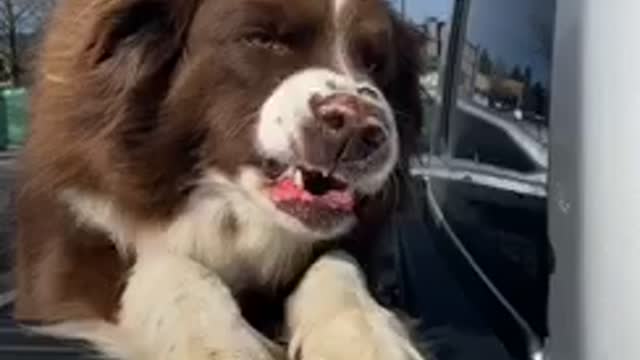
484	170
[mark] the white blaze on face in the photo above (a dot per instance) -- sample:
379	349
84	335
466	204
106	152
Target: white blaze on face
284	114
340	45
339	5
287	109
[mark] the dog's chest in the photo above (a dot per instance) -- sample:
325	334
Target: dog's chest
246	249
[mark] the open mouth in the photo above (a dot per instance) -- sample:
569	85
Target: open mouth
317	198
314	189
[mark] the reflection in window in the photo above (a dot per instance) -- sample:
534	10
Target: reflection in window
501	118
433	18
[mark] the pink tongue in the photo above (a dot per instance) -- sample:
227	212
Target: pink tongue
287	190
340	200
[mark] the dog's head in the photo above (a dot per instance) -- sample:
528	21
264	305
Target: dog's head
305	108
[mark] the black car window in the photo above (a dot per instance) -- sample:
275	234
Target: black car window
433	19
501	100
485	162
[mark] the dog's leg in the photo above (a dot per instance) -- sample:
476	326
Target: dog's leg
180	310
332	316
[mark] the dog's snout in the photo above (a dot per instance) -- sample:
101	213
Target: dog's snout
373	137
337	111
368	91
351	121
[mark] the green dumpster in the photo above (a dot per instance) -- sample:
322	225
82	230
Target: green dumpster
13	117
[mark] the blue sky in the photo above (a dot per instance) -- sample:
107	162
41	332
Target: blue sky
507	30
420	9
500	26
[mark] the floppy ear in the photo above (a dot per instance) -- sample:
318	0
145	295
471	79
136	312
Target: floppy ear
138	29
404	91
142	41
370	243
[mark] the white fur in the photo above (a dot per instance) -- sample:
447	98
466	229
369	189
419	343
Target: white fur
172	309
340	44
100	213
268	245
178	304
179	309
338	6
264	248
286	111
332	316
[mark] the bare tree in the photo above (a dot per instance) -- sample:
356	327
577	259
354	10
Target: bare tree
19	20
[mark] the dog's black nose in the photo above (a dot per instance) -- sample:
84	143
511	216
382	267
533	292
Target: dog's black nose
352	128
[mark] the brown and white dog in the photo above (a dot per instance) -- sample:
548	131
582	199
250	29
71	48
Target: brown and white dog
191	159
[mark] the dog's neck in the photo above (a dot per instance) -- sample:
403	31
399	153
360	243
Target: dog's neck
239	241
225	233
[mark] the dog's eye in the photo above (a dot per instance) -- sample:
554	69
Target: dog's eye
372	67
372	61
266	40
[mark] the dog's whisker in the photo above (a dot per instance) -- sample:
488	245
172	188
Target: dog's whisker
240	125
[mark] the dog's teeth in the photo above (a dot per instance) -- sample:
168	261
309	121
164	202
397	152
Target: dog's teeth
298	179
290	172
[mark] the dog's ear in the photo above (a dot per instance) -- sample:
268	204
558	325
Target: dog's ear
137	28
405	96
404	90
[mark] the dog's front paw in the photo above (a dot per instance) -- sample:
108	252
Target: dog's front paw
182	311
243	345
373	334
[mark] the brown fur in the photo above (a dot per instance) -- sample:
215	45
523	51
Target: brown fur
133	97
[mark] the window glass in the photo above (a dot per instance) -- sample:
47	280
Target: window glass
21	27
487	110
433	18
502	94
